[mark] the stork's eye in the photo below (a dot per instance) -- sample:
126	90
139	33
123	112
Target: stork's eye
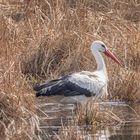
103	45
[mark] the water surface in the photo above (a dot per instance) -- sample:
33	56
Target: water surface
55	115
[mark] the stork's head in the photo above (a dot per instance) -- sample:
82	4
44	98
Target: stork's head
101	47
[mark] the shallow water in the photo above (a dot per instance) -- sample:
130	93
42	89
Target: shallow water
53	116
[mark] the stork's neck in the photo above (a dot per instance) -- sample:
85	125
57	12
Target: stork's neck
100	62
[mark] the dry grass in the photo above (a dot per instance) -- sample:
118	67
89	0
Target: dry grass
41	40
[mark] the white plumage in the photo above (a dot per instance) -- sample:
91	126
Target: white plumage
89	81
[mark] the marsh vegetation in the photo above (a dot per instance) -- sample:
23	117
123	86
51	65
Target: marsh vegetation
41	40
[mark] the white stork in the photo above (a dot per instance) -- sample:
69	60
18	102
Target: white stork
83	83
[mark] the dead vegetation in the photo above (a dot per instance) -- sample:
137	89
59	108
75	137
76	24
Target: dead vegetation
41	40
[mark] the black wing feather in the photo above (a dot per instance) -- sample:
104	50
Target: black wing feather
61	86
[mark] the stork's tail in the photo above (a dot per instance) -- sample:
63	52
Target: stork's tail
51	88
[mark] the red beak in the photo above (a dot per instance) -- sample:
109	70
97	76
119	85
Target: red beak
111	55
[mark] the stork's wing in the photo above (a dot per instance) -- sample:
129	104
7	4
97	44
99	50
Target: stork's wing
61	86
89	82
71	85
